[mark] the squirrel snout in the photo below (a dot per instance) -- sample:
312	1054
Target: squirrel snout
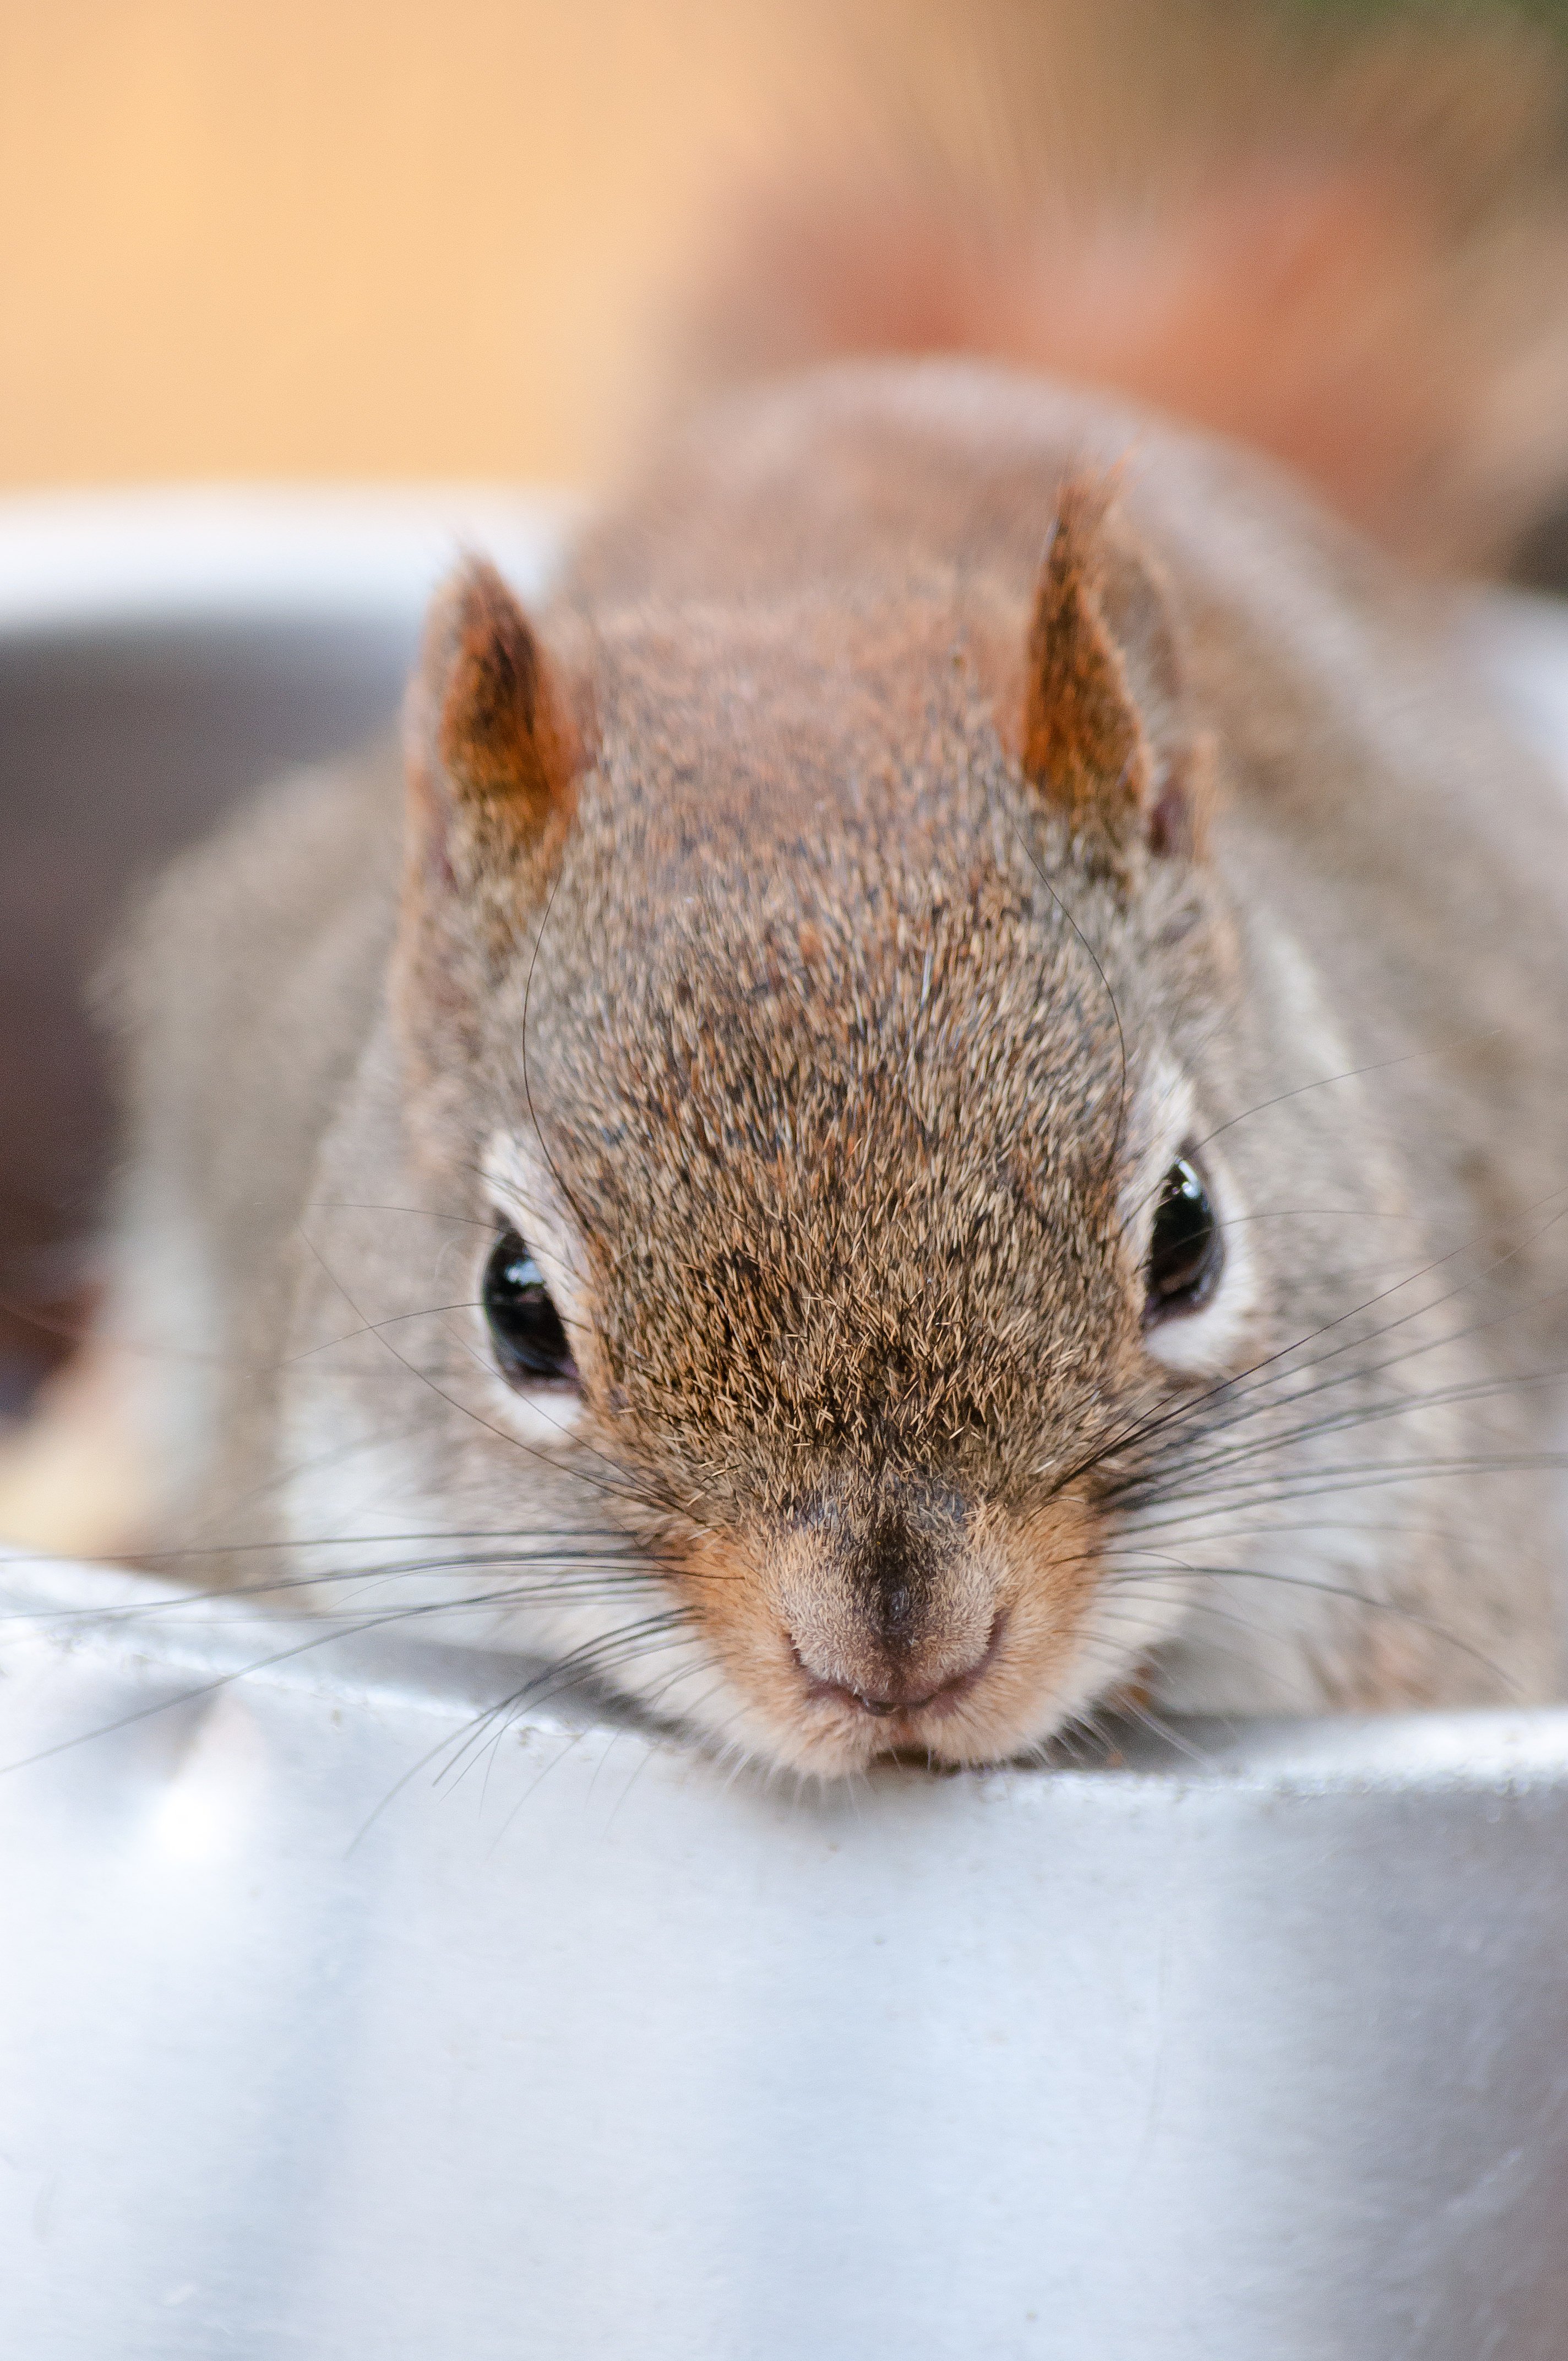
896	1687
882	1614
891	1611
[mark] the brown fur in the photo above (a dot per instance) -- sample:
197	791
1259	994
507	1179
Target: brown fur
1083	736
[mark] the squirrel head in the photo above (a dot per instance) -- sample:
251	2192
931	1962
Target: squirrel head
800	966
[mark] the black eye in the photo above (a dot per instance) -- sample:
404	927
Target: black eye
525	1326
1186	1250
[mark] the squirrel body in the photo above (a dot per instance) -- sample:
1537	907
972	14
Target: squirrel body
941	818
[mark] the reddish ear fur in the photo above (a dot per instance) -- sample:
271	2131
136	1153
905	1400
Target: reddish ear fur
492	764
491	754
1103	737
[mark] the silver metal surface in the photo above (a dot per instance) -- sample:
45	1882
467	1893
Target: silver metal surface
336	2022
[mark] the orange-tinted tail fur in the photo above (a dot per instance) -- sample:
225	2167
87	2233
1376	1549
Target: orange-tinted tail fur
1348	249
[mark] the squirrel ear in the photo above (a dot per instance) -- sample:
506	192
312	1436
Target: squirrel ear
491	754
1104	736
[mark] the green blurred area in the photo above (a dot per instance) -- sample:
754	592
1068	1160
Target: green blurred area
1349	14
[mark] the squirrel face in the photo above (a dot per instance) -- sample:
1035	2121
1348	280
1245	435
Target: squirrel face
817	983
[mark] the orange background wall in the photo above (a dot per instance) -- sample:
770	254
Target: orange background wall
326	238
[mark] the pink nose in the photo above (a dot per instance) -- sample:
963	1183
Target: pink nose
890	1696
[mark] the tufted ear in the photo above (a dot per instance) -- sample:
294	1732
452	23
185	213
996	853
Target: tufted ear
492	754
1106	739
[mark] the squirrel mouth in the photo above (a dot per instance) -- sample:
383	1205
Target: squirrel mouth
892	1702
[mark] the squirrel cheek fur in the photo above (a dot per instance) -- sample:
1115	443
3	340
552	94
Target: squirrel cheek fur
807	1009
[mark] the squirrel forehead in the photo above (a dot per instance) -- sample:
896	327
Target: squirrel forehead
800	722
844	1186
802	892
765	1046
809	1175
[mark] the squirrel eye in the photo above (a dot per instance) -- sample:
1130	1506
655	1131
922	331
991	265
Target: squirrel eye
1187	1249
525	1327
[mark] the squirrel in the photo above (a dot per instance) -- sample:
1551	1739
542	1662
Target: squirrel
933	1102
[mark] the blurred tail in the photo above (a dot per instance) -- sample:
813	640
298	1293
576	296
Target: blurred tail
1339	235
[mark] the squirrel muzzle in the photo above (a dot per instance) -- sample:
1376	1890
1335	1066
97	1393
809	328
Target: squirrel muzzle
893	1615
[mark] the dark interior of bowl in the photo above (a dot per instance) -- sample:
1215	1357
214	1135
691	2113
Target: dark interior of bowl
116	749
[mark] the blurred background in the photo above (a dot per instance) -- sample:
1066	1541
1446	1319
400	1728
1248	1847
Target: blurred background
328	238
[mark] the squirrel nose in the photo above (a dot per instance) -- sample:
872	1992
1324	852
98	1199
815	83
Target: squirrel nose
884	1602
884	1699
